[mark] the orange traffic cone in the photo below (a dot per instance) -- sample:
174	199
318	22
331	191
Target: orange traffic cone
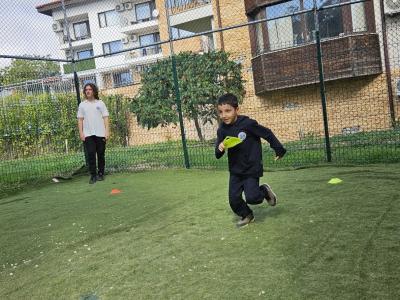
115	191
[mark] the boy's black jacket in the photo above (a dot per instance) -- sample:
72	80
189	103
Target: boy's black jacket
246	157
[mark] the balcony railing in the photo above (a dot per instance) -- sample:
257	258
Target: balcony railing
153	50
126	22
177	6
150	50
80	38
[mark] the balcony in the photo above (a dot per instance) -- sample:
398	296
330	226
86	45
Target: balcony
80	66
191	15
144	54
82	41
149	25
179	6
343	57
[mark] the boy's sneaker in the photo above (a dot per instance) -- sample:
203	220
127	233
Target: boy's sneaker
92	179
245	221
100	177
270	196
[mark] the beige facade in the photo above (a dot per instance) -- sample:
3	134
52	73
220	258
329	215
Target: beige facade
357	104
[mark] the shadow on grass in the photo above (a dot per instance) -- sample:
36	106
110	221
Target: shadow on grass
15	200
262	212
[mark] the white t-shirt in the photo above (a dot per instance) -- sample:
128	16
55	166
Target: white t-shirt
92	113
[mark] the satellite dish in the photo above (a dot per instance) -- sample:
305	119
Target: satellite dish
156	13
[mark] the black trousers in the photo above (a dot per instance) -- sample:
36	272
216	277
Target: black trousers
250	187
95	145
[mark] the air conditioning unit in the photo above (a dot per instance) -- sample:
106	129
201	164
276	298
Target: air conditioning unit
69	55
155	13
128	5
392	7
119	7
133	37
125	40
57	27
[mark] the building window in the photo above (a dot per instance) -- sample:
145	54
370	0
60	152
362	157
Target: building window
112	47
149	39
144	11
358	17
122	78
108	18
178	33
84	54
259	36
285	32
330	20
81	30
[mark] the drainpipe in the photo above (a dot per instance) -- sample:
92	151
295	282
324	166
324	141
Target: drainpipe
387	64
221	34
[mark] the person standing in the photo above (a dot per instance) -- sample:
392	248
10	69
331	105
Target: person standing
93	125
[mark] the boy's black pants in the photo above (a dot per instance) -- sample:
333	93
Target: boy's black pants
96	145
250	186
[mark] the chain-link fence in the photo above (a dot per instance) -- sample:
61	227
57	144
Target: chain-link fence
323	75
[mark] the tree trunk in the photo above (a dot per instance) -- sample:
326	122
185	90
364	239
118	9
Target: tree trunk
198	128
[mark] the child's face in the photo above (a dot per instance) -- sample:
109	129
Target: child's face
89	92
227	113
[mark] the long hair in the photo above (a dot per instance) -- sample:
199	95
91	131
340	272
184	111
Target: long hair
94	88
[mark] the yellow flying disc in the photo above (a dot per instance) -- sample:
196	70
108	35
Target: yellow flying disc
335	181
231	141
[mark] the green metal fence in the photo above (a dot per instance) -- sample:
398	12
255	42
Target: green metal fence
322	76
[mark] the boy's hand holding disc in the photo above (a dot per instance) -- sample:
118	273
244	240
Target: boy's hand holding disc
231	141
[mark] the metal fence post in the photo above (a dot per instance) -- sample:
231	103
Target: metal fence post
76	78
177	92
322	86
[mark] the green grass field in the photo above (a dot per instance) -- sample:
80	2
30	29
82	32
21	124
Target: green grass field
170	234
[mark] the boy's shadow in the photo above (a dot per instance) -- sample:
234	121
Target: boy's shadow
262	212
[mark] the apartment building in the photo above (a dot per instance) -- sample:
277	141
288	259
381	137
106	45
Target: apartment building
105	27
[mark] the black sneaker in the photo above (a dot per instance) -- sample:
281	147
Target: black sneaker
92	179
245	221
100	177
270	196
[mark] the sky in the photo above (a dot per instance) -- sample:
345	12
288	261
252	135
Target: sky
25	31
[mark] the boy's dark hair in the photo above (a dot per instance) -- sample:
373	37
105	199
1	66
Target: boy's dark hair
94	88
229	99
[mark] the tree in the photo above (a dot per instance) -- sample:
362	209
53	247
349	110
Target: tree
202	79
22	70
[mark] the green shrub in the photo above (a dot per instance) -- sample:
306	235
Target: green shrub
41	124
